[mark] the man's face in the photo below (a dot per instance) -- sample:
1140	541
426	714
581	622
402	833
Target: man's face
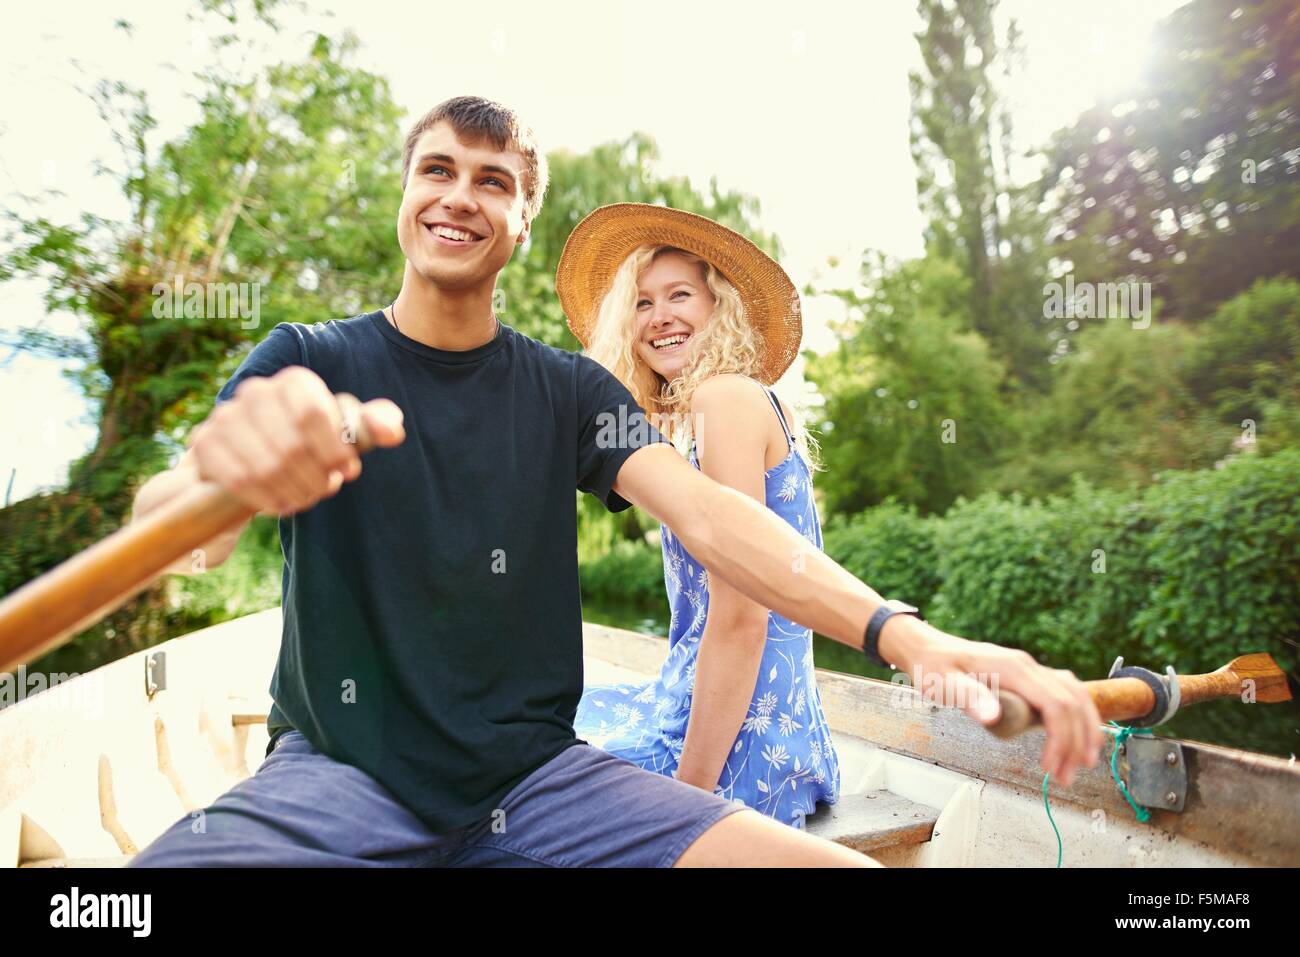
462	211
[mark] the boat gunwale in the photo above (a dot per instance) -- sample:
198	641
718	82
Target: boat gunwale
1235	799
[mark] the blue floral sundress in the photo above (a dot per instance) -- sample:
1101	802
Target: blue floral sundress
782	762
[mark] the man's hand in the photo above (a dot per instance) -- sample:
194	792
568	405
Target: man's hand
279	444
955	672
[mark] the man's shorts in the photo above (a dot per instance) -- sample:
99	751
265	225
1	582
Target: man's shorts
583	808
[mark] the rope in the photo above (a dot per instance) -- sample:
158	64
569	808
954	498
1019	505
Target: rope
1143	815
1059	847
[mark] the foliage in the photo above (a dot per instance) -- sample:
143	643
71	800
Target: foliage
1190	180
1247	363
629	573
283	190
912	406
1196	568
890	547
1192	571
1119	410
977	217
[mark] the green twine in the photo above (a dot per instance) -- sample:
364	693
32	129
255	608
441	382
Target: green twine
1059	847
1143	815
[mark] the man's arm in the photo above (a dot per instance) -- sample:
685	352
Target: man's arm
761	556
277	445
173	483
753	550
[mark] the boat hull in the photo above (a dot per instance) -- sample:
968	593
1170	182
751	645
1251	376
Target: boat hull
96	768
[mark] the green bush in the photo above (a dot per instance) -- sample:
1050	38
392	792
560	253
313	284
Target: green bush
1191	571
1016	572
1223	562
630	573
889	547
246	582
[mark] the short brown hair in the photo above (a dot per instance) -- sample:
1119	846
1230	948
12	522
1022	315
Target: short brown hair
474	118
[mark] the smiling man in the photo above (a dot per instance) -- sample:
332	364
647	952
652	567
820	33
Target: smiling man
431	661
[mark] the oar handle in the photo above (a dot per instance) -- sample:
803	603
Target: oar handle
72	596
1117	699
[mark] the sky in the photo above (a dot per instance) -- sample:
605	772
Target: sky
803	105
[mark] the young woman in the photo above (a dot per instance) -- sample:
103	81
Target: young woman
697	322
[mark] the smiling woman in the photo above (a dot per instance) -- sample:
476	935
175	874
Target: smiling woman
735	709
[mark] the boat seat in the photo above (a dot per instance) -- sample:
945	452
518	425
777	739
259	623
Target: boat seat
874	819
249	710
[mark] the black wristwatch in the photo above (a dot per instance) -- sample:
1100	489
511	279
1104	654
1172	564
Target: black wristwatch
885	612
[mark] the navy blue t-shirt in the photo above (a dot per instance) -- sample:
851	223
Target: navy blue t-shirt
432	619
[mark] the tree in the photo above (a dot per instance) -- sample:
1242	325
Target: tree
961	144
913	409
1246	366
1119	411
276	205
1190	181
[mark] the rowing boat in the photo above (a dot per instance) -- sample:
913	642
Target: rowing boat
94	769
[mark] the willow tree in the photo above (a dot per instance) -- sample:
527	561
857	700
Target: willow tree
277	204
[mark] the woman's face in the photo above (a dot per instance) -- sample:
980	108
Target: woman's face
673	305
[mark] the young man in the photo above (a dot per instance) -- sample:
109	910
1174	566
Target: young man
431	661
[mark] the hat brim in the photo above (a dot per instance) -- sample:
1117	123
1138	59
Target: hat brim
605	238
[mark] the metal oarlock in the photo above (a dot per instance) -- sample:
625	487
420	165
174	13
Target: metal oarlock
1164	687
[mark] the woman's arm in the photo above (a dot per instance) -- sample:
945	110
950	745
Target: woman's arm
732	453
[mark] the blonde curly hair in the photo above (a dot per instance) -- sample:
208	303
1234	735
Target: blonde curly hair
727	344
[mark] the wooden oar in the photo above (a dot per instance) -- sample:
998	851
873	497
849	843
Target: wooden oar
71	597
1124	699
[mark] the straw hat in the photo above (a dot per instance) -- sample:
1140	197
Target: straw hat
600	243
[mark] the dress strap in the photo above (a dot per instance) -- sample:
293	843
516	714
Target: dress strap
785	426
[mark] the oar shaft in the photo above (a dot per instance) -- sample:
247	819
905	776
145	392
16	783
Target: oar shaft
1254	677
1218	684
1117	699
74	595
1121	699
46	611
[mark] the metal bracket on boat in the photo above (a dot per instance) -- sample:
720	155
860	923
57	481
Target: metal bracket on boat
1154	771
155	673
1164	687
